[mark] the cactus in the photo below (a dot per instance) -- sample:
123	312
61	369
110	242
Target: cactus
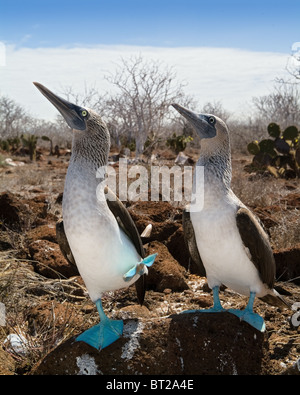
279	154
178	143
14	143
29	141
4	145
10	144
46	138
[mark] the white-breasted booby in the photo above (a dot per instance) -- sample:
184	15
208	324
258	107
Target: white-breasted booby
97	232
230	241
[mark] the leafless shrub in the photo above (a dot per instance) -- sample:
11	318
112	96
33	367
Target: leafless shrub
22	290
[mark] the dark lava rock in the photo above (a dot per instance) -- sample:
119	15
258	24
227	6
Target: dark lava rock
166	271
49	261
288	264
183	344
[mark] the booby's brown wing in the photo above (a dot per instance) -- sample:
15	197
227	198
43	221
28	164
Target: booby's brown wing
63	242
190	241
256	240
126	223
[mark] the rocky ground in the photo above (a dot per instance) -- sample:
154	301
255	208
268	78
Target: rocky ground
46	303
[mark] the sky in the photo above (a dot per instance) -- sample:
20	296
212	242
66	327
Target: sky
225	50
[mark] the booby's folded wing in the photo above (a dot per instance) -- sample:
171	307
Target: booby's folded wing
128	226
256	240
63	242
190	241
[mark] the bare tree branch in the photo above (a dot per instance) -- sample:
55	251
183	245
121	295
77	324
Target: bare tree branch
281	106
146	90
13	119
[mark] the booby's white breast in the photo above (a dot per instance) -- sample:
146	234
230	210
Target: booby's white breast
225	258
102	251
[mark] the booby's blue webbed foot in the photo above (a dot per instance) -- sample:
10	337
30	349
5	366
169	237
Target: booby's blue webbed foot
249	316
217	307
140	267
104	333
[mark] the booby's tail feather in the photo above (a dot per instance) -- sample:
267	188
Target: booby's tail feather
145	236
277	300
140	267
147	231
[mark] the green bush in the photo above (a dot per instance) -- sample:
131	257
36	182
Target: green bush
10	144
4	145
178	143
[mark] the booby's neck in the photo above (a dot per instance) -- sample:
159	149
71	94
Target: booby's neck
216	178
217	169
90	151
86	171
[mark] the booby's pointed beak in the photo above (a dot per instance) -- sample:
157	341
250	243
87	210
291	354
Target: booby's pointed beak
74	115
200	122
188	114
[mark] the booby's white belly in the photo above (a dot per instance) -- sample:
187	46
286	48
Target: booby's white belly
102	259
224	256
102	251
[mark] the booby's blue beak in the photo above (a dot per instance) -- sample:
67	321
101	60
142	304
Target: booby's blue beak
204	124
74	115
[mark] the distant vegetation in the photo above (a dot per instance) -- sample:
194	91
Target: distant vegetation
279	154
178	143
139	115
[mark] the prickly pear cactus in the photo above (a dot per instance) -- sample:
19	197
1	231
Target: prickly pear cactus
178	143
279	154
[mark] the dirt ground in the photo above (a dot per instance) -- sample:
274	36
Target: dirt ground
46	301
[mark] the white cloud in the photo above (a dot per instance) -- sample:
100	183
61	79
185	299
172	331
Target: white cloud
232	76
25	38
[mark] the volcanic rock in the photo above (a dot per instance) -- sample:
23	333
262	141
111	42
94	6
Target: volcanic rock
182	344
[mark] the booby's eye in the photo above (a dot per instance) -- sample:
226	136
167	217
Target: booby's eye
211	120
84	113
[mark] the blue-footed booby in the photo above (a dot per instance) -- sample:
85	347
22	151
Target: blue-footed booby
97	232
230	241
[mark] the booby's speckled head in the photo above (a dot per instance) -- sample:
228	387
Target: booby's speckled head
75	116
91	140
215	144
207	126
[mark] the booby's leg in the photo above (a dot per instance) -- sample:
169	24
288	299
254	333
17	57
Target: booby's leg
217	307
103	334
249	316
